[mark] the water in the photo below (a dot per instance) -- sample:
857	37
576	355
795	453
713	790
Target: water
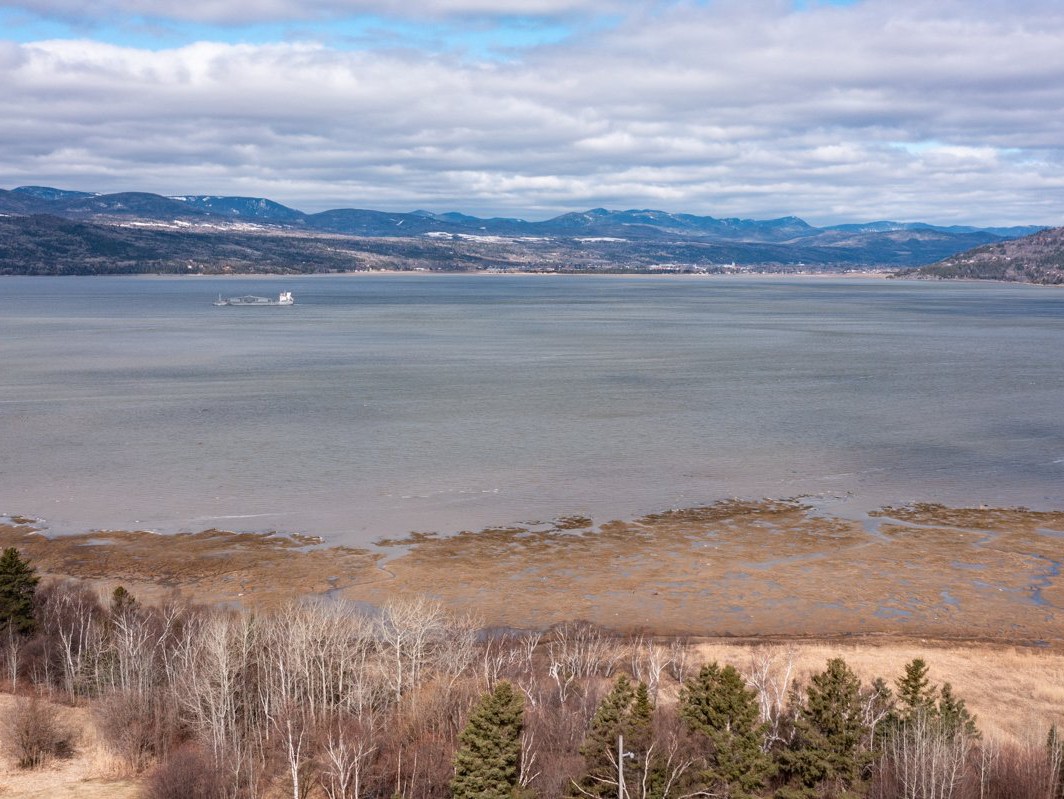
381	404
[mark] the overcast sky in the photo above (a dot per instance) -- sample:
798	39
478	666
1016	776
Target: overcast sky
948	111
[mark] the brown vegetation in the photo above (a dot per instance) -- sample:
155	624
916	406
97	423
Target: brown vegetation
735	568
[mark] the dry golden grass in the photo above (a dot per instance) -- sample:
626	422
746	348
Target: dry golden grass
1015	693
89	774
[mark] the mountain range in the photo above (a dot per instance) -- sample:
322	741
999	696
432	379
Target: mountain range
48	230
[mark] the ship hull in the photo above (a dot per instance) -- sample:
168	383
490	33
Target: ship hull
250	301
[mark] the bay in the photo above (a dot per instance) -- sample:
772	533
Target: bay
381	404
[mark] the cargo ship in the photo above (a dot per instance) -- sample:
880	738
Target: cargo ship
284	298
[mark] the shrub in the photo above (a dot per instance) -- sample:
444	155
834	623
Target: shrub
34	733
190	773
137	727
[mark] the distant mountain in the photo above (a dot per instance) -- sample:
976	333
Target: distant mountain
255	208
48	194
256	234
885	227
1038	258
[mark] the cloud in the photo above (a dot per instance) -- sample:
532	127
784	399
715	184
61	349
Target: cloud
949	112
251	11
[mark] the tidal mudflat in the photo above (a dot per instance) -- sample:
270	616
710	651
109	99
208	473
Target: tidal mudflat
734	568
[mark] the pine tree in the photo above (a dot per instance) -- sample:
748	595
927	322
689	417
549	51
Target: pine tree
18	589
828	733
488	761
717	705
916	695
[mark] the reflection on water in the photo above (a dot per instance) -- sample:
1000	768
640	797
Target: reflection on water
382	404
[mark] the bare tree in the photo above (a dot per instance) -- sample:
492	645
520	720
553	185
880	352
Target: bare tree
576	652
649	660
680	660
293	732
405	631
770	672
348	749
457	649
500	655
13	643
924	761
74	618
1030	769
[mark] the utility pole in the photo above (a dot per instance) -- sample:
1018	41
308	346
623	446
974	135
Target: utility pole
620	766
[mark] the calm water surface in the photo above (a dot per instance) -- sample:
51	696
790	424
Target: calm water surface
383	404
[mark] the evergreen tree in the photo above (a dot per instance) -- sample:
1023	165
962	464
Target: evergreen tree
916	695
18	589
640	720
624	716
828	732
717	705
920	699
122	602
488	761
953	715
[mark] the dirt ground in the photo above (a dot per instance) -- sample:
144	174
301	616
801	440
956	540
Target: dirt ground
772	568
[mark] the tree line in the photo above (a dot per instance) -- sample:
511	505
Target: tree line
409	701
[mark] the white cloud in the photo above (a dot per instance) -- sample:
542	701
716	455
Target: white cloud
245	11
941	111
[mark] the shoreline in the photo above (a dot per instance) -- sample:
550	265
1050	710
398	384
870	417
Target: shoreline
884	274
766	570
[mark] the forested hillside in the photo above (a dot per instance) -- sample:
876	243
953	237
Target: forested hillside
1038	258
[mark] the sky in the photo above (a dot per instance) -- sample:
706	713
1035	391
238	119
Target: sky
946	111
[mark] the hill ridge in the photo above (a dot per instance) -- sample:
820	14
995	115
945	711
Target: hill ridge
44	230
1037	258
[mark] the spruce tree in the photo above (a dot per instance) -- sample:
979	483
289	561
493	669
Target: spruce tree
717	705
916	695
488	761
640	720
953	716
624	716
18	589
920	699
828	733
